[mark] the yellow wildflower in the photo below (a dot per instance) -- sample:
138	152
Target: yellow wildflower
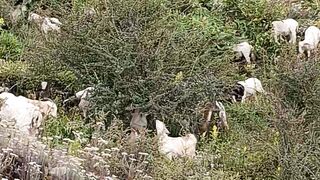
178	77
1	21
214	132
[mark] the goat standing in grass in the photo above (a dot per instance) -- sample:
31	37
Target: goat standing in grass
80	99
245	50
50	24
26	114
246	89
207	124
36	18
46	106
175	146
287	27
138	125
46	23
310	42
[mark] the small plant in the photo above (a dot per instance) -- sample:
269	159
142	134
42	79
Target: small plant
1	22
10	46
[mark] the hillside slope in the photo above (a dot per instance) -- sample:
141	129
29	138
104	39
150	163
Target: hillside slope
167	58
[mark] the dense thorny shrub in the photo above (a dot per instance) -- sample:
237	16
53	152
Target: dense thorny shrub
145	54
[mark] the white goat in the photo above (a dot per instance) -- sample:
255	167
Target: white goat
46	23
245	50
80	99
50	24
85	93
175	146
84	103
311	40
36	18
251	87
284	28
24	115
47	107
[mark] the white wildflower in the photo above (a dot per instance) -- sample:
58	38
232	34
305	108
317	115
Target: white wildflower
12	154
91	149
115	149
96	164
99	123
147	177
143	154
7	150
68	140
32	163
106	155
57	137
139	171
100	140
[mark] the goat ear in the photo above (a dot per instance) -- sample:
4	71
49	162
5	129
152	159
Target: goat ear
217	104
221	106
166	130
253	56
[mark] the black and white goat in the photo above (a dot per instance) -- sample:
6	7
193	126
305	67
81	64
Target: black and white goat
246	89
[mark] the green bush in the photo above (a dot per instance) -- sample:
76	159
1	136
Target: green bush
10	46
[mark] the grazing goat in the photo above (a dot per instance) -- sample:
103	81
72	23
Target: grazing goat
80	100
310	42
46	106
85	93
245	50
222	122
287	27
138	124
207	124
36	18
24	115
175	146
50	24
47	24
246	89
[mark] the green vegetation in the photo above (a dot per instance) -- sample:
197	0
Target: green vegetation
169	58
